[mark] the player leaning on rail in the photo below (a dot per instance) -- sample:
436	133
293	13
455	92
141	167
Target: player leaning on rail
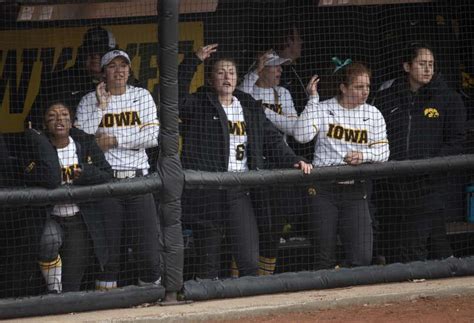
349	132
67	156
225	130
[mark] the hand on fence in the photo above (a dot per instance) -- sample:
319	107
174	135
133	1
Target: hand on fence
354	158
305	167
205	52
77	172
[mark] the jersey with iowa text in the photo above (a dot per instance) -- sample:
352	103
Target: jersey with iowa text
131	118
340	130
68	160
237	137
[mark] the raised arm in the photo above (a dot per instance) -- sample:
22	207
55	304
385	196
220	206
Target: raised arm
187	68
88	114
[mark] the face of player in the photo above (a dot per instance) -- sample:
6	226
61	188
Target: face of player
93	64
224	78
117	73
58	121
421	69
357	92
270	76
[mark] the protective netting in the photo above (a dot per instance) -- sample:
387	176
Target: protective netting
263	85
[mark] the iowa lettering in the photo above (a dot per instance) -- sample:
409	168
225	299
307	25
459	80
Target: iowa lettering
347	134
237	128
122	119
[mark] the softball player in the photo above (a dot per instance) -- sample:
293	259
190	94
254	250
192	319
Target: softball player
348	131
277	102
124	121
263	84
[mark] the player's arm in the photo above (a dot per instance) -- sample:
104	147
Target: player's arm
146	134
307	125
285	121
281	156
454	134
96	170
40	161
248	82
377	149
88	115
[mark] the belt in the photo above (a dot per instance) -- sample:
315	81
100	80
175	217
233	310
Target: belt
350	182
121	174
66	218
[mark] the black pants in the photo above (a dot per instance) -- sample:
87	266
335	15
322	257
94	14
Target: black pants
67	237
282	205
137	214
212	214
343	209
411	211
424	235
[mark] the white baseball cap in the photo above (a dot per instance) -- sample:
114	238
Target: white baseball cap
109	56
275	60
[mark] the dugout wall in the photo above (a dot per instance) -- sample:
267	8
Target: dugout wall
36	43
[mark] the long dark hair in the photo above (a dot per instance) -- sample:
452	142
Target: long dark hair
412	51
209	67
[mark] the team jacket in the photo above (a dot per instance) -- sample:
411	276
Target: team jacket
424	124
205	133
42	169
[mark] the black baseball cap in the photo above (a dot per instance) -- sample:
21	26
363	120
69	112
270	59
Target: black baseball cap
97	40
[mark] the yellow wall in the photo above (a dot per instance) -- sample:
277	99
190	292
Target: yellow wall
16	44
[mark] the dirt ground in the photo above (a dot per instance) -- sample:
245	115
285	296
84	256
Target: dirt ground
424	309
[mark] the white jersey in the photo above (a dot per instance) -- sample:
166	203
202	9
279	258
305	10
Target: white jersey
340	130
69	161
131	118
237	137
278	103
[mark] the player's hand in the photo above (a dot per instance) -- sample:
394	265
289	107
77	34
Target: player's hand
106	142
354	158
312	87
261	60
305	167
103	96
77	172
205	52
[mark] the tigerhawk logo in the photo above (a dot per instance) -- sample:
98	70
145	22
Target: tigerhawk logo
350	135
122	119
431	113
